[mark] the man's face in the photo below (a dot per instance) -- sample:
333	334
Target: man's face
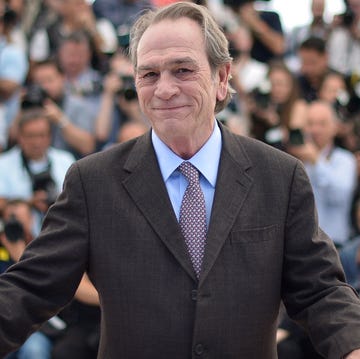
34	138
313	63
176	88
50	79
281	85
74	58
332	87
321	126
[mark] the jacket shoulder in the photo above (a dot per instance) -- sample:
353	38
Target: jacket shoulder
111	158
257	152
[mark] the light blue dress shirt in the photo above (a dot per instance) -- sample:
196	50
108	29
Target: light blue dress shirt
206	160
334	179
13	67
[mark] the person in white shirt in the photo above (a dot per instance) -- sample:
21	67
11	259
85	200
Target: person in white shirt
33	170
332	171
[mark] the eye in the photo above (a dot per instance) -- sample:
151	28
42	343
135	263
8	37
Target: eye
183	70
149	75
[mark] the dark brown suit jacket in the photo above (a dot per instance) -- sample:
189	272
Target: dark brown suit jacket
115	220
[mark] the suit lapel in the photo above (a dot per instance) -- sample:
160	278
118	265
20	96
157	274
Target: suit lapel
146	187
232	186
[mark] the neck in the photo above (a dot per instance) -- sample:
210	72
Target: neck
186	146
38	159
72	76
327	148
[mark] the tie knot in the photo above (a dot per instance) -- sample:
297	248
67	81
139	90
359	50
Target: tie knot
190	172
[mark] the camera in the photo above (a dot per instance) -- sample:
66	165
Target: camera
233	51
348	17
123	35
9	17
340	105
34	97
13	229
43	181
261	98
296	137
128	89
124	40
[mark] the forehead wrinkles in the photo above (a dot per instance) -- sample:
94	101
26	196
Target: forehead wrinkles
167	63
181	35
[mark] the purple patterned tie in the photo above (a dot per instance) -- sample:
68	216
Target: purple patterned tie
193	215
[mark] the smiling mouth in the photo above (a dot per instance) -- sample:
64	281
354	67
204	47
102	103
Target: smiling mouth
169	108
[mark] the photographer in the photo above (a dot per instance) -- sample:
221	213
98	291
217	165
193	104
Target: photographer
81	78
331	169
314	65
247	73
343	43
276	108
16	234
33	170
266	27
119	103
339	93
71	118
71	17
13	71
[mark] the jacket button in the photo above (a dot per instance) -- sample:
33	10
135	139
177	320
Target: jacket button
194	294
199	349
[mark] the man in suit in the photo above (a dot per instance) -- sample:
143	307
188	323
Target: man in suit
120	218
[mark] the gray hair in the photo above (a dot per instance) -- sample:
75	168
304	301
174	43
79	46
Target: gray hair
215	41
30	115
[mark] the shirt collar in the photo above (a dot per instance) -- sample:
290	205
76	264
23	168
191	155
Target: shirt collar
206	160
326	152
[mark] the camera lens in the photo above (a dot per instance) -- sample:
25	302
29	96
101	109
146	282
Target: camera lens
13	229
130	94
34	97
128	90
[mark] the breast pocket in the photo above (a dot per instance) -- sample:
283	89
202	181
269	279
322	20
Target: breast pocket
255	235
257	255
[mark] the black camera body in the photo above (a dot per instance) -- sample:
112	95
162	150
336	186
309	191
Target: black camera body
14	230
128	89
233	51
296	137
34	97
9	17
261	98
43	181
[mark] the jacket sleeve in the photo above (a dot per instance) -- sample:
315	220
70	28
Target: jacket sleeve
48	274
314	289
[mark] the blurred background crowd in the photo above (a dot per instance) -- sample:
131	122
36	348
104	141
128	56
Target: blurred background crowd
67	90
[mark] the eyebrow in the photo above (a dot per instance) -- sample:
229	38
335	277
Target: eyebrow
179	61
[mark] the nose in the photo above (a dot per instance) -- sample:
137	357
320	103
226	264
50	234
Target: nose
166	87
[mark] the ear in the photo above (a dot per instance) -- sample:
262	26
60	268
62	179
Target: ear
223	78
